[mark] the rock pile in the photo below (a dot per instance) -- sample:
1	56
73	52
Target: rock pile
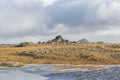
59	40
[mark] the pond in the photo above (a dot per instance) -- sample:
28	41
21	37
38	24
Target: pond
38	72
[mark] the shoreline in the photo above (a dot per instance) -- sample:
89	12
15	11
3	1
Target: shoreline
65	67
46	72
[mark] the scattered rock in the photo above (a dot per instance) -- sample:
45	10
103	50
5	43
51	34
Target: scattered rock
39	42
30	54
116	56
114	46
88	57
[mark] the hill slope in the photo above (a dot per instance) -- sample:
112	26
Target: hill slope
83	41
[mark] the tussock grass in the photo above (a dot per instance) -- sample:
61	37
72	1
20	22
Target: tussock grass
92	67
91	53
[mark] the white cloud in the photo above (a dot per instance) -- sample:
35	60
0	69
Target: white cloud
111	31
22	20
110	12
46	2
17	40
59	29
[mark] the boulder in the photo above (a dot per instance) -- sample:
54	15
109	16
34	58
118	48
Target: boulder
58	40
23	44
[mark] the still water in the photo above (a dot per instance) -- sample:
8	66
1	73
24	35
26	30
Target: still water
44	72
30	73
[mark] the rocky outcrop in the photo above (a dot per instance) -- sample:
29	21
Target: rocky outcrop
59	40
35	54
115	56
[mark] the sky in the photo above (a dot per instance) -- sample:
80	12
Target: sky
42	20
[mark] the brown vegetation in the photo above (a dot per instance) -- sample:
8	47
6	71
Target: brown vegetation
90	53
89	67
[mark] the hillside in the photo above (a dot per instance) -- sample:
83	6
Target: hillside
61	51
91	53
83	41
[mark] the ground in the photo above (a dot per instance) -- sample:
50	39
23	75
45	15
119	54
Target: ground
86	53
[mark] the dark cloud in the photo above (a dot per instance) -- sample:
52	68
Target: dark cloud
84	14
60	13
23	18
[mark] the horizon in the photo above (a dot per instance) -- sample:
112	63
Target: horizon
42	20
51	38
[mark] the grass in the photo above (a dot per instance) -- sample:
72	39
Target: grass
91	53
89	67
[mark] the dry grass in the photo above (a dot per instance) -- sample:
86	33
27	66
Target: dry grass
92	67
92	53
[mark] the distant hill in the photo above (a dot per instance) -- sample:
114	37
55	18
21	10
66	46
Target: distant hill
83	41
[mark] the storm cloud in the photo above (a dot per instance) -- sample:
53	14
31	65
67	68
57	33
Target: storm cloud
34	20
